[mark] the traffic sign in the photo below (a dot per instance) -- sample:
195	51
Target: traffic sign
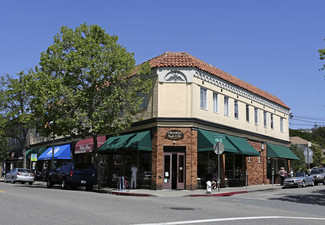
33	157
219	146
219	137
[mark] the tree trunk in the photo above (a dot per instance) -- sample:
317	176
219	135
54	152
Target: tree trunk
96	161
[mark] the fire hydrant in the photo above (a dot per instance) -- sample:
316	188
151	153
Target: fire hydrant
209	187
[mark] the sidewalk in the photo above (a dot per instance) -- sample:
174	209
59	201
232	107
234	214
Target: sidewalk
228	191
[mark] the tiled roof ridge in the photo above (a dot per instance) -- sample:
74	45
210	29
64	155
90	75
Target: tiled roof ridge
184	59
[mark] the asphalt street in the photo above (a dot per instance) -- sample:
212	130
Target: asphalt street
24	204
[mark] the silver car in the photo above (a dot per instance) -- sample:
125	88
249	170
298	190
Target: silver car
301	179
20	175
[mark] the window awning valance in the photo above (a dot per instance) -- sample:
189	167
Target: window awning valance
232	144
127	142
278	151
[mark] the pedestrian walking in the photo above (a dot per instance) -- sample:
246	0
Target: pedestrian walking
282	173
134	170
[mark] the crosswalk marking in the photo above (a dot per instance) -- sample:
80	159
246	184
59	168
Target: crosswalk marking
235	219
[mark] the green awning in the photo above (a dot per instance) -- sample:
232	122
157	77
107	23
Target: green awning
128	142
206	141
243	146
278	151
37	151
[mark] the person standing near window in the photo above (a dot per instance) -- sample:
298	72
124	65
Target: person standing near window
134	171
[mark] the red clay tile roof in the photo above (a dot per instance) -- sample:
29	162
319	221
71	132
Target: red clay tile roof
183	59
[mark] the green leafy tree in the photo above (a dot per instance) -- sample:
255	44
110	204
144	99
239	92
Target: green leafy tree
300	164
317	156
15	109
88	85
319	136
322	56
298	133
3	143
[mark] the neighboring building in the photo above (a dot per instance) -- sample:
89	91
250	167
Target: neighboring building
191	105
302	144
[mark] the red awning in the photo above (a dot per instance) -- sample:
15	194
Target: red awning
86	145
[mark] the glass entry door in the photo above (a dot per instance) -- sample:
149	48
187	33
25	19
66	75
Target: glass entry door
174	170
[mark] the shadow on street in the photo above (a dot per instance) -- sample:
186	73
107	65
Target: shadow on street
314	198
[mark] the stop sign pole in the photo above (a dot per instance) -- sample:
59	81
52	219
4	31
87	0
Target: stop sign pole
218	148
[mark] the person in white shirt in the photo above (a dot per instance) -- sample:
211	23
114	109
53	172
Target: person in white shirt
134	170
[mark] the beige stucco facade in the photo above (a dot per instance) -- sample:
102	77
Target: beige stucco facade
180	98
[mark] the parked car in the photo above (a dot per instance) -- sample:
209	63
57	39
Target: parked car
72	174
300	179
20	175
318	175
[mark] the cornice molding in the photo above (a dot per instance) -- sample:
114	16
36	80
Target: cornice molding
238	91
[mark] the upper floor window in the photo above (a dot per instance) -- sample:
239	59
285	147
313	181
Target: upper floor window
236	109
215	102
203	98
281	124
265	118
247	113
145	101
256	115
272	121
226	106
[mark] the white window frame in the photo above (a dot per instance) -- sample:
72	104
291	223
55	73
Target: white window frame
215	102
226	105
256	116
203	98
236	110
265	114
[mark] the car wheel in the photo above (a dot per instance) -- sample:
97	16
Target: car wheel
30	183
49	183
64	184
22	182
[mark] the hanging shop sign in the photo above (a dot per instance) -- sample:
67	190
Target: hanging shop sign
174	135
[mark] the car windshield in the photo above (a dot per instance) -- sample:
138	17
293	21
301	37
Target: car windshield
23	171
314	171
300	174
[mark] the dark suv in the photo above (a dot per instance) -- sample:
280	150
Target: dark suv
72	174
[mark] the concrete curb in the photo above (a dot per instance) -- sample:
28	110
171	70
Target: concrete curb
131	194
218	194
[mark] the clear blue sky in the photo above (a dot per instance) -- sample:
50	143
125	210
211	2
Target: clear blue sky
270	44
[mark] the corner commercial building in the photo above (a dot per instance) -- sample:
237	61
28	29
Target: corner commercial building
190	105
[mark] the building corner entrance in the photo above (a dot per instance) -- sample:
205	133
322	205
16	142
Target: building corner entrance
174	168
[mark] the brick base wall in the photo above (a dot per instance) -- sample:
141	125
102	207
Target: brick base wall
189	141
256	168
